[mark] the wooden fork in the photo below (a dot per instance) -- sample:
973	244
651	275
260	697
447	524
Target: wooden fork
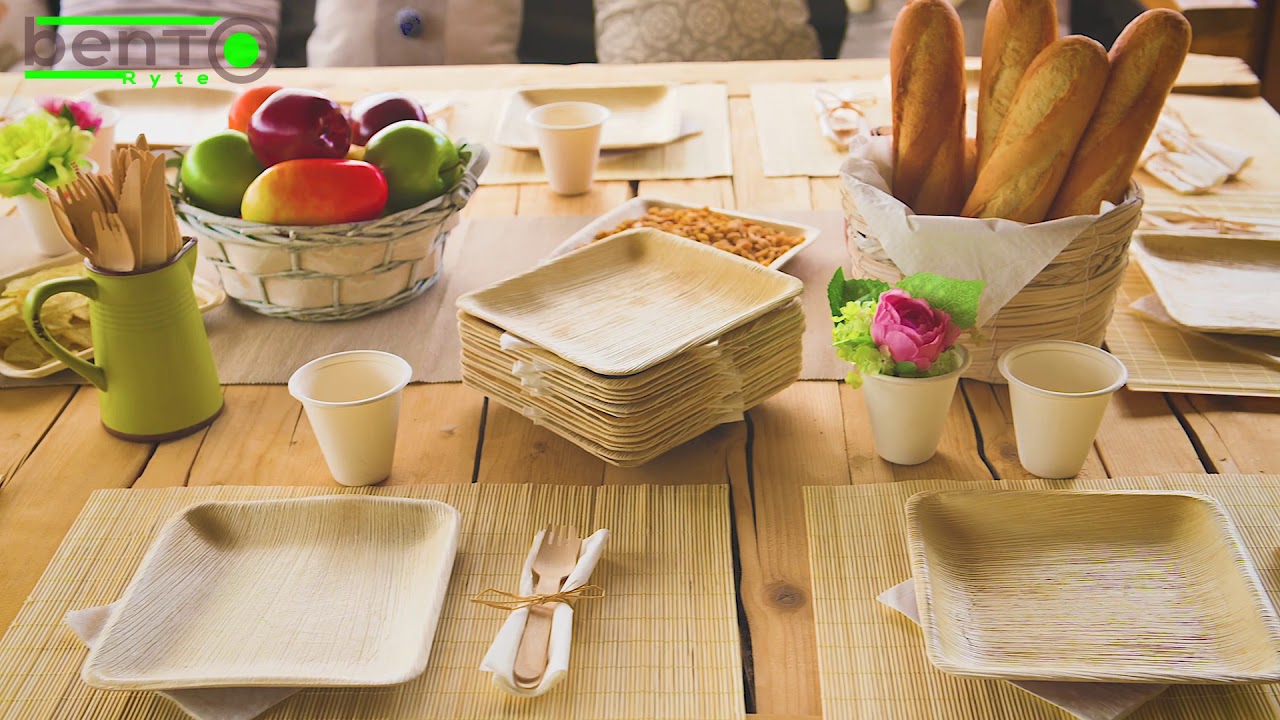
556	558
114	251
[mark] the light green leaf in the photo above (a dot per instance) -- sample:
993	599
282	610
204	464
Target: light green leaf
841	291
957	298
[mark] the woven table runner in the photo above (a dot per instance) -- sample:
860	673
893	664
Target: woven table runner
252	349
662	643
1163	358
872	659
706	154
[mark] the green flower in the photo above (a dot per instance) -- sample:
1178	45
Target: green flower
40	147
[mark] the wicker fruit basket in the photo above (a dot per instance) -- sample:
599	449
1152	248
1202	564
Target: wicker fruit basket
1072	298
331	272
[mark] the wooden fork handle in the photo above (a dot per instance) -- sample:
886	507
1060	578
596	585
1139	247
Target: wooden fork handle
532	655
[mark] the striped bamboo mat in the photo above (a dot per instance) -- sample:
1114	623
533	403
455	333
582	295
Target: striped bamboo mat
663	643
872	659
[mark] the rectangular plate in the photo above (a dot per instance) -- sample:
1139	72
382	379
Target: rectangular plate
636	208
339	590
639	115
208	296
169	116
1088	586
630	301
1224	284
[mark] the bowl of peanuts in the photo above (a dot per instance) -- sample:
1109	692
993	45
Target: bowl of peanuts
763	240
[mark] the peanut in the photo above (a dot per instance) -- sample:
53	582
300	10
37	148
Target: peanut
740	237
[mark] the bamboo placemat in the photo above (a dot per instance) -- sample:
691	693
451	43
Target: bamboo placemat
663	643
872	660
707	154
791	141
1163	358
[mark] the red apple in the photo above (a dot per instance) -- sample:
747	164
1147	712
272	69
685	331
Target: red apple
294	124
371	114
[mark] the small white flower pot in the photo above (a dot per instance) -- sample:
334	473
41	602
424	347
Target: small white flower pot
909	414
44	231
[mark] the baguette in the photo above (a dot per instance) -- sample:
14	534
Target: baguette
926	69
1037	139
1016	31
1145	61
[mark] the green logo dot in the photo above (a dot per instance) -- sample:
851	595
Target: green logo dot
240	49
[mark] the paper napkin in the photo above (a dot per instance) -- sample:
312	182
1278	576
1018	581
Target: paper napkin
1186	162
1006	255
501	658
1084	700
200	703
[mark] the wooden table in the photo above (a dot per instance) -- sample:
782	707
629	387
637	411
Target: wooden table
53	453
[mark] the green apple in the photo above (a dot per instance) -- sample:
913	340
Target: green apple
217	170
419	162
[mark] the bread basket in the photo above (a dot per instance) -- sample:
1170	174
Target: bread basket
1072	298
331	272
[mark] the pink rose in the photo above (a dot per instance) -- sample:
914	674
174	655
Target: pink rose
80	113
911	329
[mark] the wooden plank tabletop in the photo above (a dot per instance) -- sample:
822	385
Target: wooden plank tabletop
53	453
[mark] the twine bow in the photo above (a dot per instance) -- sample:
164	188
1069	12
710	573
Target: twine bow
513	601
1197	220
833	110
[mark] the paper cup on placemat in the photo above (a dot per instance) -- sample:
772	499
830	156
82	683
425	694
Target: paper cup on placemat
1059	391
908	415
568	135
352	400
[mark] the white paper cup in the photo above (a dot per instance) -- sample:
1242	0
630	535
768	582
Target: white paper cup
568	135
908	415
352	400
104	141
1059	391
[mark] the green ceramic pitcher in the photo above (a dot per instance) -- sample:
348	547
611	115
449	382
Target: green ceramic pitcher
152	363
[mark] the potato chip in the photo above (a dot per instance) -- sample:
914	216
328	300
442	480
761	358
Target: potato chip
78	337
65	315
26	353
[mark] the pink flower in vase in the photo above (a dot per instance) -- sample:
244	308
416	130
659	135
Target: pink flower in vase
911	329
80	113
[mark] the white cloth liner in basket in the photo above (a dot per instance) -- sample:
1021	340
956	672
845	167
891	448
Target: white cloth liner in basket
331	272
1049	280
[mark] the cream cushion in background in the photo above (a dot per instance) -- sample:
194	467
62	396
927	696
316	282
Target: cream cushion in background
641	31
266	12
357	33
13	15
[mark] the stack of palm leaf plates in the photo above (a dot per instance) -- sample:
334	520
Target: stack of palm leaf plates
635	344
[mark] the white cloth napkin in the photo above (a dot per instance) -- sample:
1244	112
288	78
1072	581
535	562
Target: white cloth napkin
1087	701
1186	162
1004	254
501	658
200	703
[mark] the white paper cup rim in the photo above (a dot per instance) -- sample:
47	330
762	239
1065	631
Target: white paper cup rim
965	360
295	380
1122	375
535	113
